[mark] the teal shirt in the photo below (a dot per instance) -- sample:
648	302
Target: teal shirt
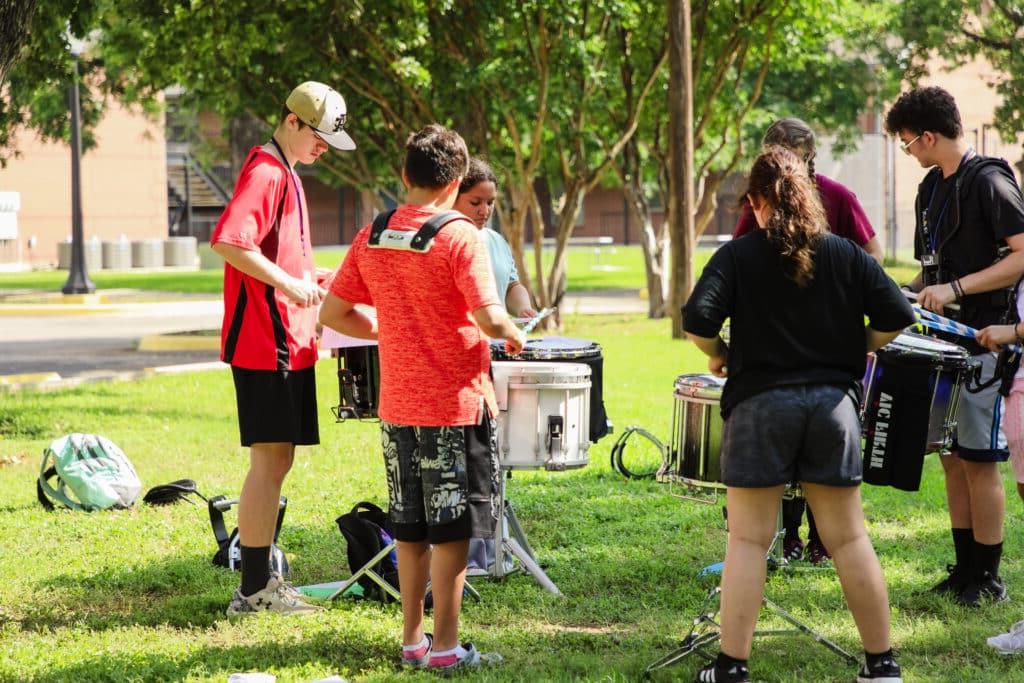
502	264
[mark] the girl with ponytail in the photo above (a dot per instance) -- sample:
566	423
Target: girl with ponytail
796	297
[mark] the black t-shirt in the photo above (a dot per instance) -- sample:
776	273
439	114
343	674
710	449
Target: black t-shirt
783	334
974	226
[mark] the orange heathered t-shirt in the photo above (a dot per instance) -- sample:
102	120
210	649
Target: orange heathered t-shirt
434	359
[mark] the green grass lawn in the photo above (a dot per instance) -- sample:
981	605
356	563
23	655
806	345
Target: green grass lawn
132	595
589	268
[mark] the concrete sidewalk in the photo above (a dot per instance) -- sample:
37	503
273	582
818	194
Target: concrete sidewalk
46	343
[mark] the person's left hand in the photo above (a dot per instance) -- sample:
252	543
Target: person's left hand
716	364
527	312
995	336
935	297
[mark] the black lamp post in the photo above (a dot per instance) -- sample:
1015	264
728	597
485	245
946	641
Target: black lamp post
78	279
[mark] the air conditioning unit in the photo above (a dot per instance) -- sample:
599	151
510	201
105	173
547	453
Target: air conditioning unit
10	204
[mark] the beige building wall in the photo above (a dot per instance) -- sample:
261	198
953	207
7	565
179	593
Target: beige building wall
124	186
977	102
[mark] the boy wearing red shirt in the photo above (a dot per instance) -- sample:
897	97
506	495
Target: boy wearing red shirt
436	307
269	330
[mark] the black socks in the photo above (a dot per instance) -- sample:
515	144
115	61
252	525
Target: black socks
255	569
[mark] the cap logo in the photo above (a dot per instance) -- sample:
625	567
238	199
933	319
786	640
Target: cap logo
339	123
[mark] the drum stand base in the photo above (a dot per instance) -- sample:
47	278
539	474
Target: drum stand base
706	631
515	545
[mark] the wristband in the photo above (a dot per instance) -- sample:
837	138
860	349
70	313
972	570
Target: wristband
958	290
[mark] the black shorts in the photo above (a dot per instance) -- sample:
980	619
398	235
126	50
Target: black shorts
276	406
442	481
803	433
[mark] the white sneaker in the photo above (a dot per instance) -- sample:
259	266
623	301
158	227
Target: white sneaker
1011	643
278	596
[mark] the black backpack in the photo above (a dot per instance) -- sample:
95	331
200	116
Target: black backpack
367	531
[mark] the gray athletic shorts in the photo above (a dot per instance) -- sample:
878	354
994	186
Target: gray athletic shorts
979	435
442	481
803	433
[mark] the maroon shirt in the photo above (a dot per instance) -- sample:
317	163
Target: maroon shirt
844	213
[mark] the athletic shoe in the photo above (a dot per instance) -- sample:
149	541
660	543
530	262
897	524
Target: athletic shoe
737	673
417	659
886	670
987	587
1011	643
278	596
792	549
816	553
447	664
953	584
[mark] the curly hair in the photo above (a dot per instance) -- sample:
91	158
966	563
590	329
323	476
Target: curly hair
797	223
796	135
479	172
435	156
925	109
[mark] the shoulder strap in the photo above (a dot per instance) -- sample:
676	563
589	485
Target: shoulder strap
975	166
45	492
427	232
380	224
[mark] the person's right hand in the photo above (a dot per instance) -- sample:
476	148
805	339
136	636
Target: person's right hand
716	364
994	337
514	345
303	292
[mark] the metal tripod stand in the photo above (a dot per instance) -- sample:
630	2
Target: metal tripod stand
515	544
705	630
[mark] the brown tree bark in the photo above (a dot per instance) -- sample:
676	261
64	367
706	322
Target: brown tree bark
15	16
681	191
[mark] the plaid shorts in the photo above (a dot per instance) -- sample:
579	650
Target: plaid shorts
442	481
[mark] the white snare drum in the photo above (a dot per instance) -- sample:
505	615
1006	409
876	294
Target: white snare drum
543	414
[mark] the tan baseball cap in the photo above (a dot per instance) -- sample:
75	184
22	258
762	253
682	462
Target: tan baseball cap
321	107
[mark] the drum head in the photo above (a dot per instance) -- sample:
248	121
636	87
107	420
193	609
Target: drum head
549	348
911	346
699	386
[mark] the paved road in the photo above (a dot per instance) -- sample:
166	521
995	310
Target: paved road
86	340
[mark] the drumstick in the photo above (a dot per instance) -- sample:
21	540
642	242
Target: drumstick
533	322
937	321
913	297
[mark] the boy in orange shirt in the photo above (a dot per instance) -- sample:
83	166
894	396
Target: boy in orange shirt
426	271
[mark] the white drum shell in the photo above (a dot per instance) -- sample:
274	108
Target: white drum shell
529	394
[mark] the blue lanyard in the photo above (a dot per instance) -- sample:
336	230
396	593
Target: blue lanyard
298	196
933	235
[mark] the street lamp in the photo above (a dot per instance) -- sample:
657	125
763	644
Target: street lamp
78	279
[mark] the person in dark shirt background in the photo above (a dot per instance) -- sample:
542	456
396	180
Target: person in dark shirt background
789	400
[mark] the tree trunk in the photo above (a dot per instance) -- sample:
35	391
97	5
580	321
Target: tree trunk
680	196
15	18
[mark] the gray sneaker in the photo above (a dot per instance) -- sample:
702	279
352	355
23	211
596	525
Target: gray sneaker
278	596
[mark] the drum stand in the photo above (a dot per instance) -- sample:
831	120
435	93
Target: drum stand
515	545
706	631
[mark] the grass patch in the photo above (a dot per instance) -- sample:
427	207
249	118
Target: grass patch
132	595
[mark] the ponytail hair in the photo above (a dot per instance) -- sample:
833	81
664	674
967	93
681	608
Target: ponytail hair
797	136
797	223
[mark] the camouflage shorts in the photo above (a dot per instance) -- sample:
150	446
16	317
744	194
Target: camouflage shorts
442	481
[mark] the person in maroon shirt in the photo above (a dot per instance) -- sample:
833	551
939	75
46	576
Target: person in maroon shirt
846	218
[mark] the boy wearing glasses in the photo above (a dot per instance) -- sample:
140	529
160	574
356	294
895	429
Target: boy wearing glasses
271	294
969	238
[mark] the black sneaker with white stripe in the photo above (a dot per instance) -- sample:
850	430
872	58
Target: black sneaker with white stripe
712	673
885	670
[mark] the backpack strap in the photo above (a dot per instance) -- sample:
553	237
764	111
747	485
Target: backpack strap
381	237
218	504
45	492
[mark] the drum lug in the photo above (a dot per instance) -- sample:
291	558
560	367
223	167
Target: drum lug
555	431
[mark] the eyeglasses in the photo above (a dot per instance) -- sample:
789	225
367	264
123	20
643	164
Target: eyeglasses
905	146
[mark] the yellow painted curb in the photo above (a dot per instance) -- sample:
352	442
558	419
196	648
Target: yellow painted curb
54	309
30	378
179	342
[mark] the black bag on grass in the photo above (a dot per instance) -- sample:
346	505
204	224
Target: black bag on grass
367	531
228	554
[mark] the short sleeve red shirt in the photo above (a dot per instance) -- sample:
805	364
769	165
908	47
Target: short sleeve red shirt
262	328
434	358
843	212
